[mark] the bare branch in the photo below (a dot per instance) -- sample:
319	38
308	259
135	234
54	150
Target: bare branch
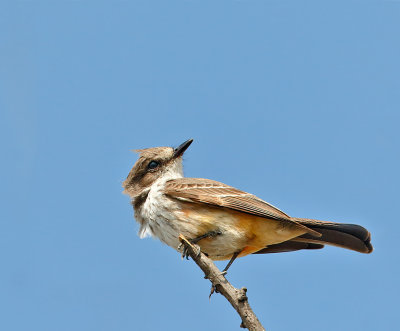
236	297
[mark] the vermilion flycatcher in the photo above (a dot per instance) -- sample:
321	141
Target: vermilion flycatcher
225	222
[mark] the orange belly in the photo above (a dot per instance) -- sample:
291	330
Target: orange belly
240	232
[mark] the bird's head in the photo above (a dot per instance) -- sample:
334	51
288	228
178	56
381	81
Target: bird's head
154	164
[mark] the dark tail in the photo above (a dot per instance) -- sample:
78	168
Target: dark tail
349	236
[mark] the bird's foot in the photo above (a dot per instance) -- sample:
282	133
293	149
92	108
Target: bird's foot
213	290
194	241
185	250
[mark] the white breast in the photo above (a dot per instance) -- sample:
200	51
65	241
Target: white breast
157	213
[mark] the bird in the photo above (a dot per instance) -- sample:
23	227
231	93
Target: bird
223	221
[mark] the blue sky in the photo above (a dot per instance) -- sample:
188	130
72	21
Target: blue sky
294	101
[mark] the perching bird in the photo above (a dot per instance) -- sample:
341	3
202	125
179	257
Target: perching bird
225	222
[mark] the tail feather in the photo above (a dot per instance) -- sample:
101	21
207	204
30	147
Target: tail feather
288	246
349	236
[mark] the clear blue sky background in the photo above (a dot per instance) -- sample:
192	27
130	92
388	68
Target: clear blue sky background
295	101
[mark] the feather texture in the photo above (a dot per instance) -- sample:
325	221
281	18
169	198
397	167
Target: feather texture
350	236
214	193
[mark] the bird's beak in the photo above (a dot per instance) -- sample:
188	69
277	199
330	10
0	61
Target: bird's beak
182	148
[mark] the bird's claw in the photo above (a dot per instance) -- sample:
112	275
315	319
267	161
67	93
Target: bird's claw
185	250
213	290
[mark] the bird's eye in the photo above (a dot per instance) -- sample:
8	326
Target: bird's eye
153	165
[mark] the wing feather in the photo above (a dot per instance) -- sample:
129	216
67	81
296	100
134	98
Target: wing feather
211	192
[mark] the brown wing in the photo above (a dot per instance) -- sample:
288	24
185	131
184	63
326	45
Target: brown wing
218	194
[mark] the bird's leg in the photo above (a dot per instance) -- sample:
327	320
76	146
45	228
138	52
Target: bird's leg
233	258
206	235
194	242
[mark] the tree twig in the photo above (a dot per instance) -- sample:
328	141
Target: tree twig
237	298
